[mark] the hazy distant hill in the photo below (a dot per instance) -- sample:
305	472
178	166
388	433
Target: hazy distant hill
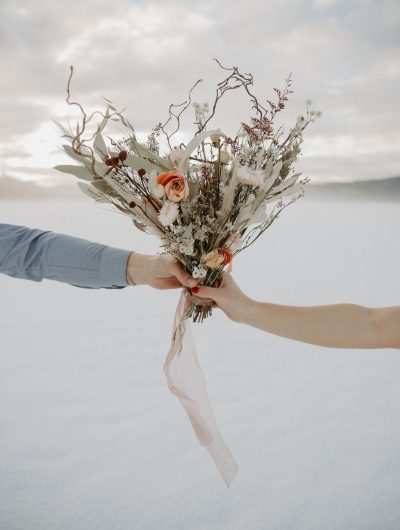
381	190
13	189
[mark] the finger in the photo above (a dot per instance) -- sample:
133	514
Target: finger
167	283
206	292
184	277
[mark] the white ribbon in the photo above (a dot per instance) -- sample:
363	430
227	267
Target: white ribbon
185	380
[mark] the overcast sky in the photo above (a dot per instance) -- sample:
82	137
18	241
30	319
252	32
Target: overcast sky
343	55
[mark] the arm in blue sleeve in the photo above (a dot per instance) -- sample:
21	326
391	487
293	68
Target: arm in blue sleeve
36	255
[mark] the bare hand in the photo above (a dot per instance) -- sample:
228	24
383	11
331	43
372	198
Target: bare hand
160	272
228	297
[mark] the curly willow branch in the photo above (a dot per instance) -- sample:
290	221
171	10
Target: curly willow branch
185	105
79	144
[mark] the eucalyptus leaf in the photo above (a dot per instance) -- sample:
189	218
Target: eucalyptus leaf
104	121
71	153
140	226
79	171
90	191
103	186
143	151
100	145
136	163
100	168
258	217
286	183
119	190
192	145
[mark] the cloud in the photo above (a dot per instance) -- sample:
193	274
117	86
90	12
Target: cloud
145	55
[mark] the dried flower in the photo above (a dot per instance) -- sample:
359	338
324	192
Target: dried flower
199	272
187	247
175	185
168	213
251	177
218	257
201	233
112	161
158	191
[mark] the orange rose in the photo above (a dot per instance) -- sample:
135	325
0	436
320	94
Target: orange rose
175	185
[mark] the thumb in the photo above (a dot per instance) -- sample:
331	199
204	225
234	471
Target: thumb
183	276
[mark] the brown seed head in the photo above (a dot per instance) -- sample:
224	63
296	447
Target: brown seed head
112	161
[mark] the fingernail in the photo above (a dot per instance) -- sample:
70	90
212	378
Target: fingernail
195	290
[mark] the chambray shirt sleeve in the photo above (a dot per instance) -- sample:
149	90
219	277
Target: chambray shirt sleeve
34	254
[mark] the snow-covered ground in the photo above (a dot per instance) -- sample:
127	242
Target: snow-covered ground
91	437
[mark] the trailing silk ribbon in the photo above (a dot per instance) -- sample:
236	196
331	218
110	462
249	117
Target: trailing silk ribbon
186	381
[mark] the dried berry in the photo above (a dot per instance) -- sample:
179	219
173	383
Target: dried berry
112	161
142	172
123	155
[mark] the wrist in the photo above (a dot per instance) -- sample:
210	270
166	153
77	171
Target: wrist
248	310
136	268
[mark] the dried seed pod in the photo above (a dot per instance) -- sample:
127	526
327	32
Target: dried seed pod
123	155
112	161
142	172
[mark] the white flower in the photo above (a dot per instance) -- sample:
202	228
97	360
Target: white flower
187	247
168	213
199	272
201	233
251	177
158	191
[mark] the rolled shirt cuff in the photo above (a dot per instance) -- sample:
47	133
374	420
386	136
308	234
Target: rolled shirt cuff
112	267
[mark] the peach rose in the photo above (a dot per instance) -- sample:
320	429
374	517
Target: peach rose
175	185
218	257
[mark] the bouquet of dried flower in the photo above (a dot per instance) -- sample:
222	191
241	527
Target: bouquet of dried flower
206	201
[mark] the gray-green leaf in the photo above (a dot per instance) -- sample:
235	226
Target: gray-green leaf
79	171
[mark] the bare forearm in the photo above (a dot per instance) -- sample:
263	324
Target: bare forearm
335	326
